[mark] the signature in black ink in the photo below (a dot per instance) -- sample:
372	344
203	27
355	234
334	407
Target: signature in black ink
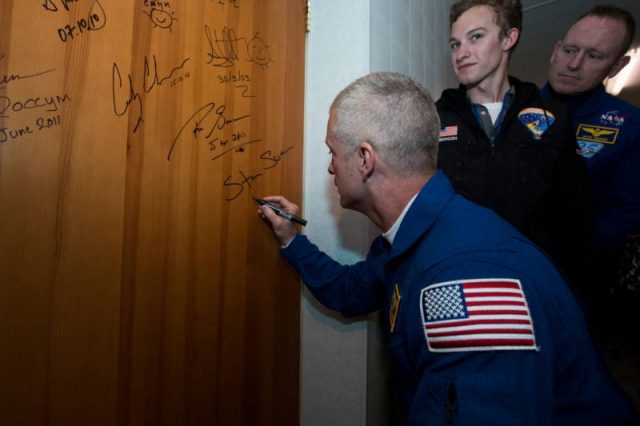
272	159
155	78
119	108
124	94
161	18
239	186
158	3
49	102
216	121
245	182
8	78
51	6
233	3
224	51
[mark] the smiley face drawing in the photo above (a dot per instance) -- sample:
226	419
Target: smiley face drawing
161	18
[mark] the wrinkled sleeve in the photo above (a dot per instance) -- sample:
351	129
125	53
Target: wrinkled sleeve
349	289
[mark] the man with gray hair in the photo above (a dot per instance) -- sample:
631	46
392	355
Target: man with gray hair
482	329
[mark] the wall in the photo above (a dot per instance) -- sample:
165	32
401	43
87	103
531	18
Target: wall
343	375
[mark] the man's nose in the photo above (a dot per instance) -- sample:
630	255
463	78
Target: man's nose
462	52
576	61
330	168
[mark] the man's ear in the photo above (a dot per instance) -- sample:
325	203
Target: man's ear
367	156
555	50
510	39
618	65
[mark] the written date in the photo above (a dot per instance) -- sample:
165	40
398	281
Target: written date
39	124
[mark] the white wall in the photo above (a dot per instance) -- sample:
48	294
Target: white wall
342	367
333	353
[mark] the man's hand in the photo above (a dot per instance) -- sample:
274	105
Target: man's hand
284	230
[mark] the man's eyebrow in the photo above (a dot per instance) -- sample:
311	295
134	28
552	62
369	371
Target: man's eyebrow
469	32
586	49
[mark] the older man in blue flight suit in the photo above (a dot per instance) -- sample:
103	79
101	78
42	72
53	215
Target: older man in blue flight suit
482	329
608	133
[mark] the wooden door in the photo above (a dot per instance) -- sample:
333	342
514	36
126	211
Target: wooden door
137	284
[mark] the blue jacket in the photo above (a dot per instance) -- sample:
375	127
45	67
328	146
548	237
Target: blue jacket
608	133
482	328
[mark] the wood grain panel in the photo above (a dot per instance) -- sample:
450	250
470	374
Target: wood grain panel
138	285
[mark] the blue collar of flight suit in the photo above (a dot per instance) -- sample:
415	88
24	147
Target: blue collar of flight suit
431	200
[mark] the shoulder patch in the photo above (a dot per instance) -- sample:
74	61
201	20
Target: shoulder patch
448	134
536	120
476	315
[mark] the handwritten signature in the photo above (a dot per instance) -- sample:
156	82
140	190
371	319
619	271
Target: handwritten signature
124	94
224	51
49	103
234	3
237	186
274	159
132	96
210	112
51	6
155	78
8	78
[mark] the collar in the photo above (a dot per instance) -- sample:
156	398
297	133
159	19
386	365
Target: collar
579	105
484	118
390	235
434	196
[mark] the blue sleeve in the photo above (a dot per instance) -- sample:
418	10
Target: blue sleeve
562	380
351	290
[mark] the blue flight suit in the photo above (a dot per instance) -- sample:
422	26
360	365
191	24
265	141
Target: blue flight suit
608	134
549	374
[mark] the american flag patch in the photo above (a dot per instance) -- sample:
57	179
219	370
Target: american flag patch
449	133
476	315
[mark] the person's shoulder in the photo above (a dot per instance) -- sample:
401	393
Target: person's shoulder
530	93
623	107
451	95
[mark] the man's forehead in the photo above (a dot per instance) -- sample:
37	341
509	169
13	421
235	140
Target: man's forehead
595	32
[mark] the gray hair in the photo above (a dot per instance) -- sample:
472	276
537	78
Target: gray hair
393	113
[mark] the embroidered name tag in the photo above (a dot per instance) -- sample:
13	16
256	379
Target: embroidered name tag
476	315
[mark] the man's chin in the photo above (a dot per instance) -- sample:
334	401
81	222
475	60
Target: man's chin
566	86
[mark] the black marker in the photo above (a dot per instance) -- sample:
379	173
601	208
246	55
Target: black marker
280	212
